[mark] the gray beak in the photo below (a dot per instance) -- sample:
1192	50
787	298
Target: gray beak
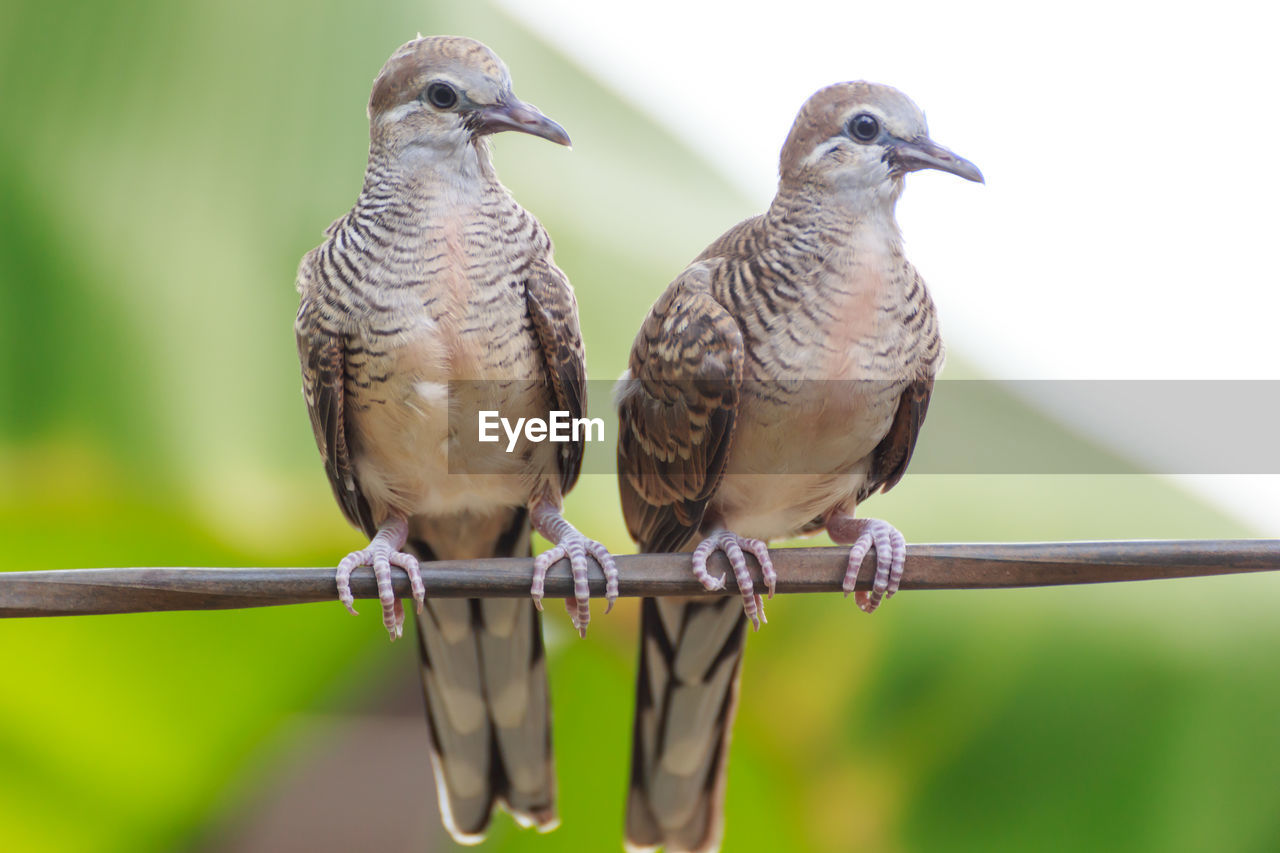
513	114
923	153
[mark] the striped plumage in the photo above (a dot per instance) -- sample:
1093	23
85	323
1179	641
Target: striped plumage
779	381
438	276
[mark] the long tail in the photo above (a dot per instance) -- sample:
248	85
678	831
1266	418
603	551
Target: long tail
484	675
686	695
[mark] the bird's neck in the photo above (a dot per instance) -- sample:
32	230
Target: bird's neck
823	217
427	177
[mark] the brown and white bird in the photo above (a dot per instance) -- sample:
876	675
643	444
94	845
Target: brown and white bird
779	381
437	276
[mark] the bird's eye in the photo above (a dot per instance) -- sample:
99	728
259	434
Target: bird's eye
864	127
441	96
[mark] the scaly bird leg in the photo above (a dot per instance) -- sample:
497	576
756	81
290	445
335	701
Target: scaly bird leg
547	519
891	555
383	553
732	544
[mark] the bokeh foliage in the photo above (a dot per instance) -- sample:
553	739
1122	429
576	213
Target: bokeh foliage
163	167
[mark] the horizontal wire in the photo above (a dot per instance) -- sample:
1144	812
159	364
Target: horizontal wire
68	592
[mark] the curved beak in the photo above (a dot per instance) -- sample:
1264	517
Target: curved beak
912	155
513	114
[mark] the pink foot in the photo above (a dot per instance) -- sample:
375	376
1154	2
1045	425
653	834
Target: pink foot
891	555
383	553
573	546
732	544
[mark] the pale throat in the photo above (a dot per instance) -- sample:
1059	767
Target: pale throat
864	242
453	168
861	214
872	202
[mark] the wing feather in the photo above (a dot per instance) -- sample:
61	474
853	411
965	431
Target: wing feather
554	313
676	412
323	356
892	455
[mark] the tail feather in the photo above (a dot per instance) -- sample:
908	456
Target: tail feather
515	669
686	695
461	741
484	677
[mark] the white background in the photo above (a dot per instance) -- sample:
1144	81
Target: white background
1128	228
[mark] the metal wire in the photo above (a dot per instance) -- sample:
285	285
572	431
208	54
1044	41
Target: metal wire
947	566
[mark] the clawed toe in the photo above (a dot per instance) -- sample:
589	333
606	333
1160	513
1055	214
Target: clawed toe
349	564
701	553
413	569
610	569
541	564
571	545
891	551
732	545
575	548
383	553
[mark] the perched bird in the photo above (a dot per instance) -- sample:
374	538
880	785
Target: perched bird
438	290
779	381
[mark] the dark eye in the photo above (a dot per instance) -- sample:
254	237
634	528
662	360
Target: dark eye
864	127
441	96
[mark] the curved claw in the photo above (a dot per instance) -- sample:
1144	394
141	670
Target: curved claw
548	520
891	553
382	553
610	569
575	547
700	554
413	569
732	544
350	563
761	551
397	617
541	564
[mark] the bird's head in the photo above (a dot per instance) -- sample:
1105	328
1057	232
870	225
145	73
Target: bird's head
442	94
861	139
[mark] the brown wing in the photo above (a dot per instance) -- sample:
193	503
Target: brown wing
676	412
323	357
893	453
554	313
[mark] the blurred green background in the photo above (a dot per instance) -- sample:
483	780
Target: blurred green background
162	169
